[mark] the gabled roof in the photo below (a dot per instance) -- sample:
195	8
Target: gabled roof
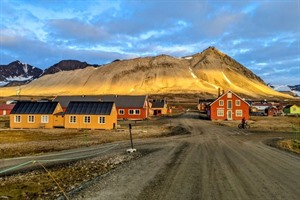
65	100
288	106
28	107
121	101
126	101
6	106
158	104
89	108
226	94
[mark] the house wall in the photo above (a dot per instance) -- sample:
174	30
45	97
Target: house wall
215	106
36	124
144	112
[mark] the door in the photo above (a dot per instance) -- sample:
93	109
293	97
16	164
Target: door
229	114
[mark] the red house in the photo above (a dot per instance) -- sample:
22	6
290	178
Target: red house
5	109
129	107
228	106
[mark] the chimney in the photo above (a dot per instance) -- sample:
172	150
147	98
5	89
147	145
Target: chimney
223	92
219	92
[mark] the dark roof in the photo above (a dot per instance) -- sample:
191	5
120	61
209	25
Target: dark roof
27	107
65	100
121	101
89	108
158	104
126	101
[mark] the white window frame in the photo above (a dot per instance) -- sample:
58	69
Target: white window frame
121	112
238	102
101	120
239	113
134	111
44	119
86	119
220	112
30	118
72	119
17	119
221	103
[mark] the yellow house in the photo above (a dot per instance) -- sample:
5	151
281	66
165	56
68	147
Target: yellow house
27	114
91	115
158	107
292	110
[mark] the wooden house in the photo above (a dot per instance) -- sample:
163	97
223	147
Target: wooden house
27	114
158	107
228	106
129	107
203	105
291	110
91	115
5	109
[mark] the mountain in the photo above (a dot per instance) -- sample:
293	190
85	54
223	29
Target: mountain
287	89
66	65
18	72
202	73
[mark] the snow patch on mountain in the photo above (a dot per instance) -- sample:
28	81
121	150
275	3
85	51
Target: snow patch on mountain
19	78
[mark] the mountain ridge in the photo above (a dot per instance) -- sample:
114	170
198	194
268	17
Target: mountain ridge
201	73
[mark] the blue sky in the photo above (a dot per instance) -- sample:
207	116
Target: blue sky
262	35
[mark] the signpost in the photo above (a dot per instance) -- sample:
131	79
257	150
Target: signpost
131	150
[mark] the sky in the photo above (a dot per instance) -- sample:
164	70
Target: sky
261	35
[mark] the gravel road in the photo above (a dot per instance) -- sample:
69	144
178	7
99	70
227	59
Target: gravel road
214	162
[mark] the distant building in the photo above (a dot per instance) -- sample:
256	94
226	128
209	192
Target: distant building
158	107
34	114
228	106
291	110
5	109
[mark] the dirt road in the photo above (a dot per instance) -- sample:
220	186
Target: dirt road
214	162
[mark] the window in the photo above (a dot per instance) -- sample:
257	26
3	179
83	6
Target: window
134	112
229	95
45	119
87	119
101	120
30	119
220	112
238	102
17	119
4	112
72	119
229	104
121	112
239	113
221	103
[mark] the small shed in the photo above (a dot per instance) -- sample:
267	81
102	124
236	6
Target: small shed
91	115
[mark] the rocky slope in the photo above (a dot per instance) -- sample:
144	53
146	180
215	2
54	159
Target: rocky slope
17	71
66	65
201	73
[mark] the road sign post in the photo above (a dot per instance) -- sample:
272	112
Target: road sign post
131	142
